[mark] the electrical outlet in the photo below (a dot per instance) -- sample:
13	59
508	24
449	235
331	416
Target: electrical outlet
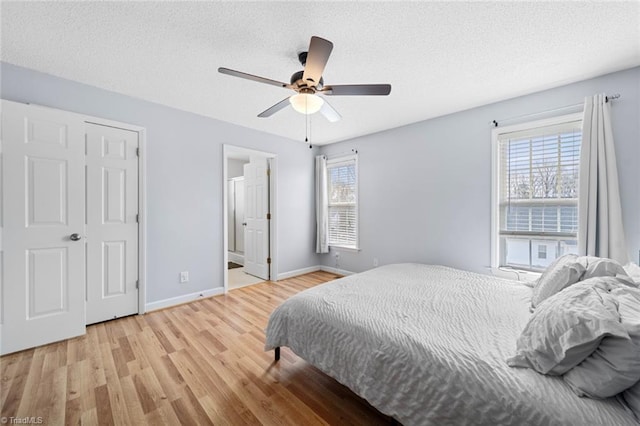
184	276
375	262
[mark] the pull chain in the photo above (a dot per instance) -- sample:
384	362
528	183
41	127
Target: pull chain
309	118
307	125
306	128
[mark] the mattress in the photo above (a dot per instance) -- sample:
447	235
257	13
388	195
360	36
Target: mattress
427	345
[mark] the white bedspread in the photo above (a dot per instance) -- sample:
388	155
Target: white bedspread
427	345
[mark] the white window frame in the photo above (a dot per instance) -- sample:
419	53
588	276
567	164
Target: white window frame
336	161
495	184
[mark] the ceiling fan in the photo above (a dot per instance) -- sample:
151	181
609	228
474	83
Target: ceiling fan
308	84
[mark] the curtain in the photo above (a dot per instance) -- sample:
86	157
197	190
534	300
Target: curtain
600	231
322	206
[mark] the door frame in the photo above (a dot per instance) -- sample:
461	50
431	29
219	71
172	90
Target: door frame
228	151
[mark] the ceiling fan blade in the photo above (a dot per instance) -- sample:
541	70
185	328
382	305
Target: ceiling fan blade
252	77
272	110
357	90
329	112
317	57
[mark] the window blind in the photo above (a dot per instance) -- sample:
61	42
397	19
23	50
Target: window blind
538	193
343	197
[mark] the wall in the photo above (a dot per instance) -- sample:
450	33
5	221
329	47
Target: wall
235	168
425	188
184	180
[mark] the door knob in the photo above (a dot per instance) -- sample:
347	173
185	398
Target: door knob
74	237
244	223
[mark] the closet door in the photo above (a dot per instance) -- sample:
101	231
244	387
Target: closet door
112	222
43	226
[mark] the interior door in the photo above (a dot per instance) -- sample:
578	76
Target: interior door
256	210
43	226
112	222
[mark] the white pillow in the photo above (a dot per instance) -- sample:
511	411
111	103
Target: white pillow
628	300
600	267
633	271
563	272
568	327
632	395
615	365
611	369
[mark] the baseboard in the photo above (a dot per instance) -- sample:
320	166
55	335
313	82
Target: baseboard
236	258
167	303
335	270
295	273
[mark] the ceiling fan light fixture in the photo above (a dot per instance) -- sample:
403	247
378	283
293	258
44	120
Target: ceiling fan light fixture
306	103
309	81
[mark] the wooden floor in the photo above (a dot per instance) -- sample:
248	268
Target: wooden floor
195	364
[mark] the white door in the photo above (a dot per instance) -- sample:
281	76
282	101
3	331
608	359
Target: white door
112	222
43	226
256	209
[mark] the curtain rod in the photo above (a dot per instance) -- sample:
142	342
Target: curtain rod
341	154
494	123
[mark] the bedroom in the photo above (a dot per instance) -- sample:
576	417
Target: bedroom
411	211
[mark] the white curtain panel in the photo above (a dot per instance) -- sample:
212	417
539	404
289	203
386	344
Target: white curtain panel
322	206
600	231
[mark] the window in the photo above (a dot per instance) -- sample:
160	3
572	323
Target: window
535	185
542	251
342	177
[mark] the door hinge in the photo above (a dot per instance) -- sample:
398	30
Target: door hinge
268	172
268	260
137	218
138	152
137	284
268	216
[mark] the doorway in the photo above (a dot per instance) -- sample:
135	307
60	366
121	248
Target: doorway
249	194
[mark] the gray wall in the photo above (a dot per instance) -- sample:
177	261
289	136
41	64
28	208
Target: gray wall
235	168
184	180
425	188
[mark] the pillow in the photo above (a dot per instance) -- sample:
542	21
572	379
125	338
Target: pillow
611	369
633	271
631	396
600	267
563	272
615	365
568	327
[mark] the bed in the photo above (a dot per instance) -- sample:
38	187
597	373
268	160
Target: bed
427	345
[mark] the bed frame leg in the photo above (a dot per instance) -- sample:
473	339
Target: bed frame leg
277	353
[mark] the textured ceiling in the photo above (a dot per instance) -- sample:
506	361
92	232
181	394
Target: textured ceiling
439	57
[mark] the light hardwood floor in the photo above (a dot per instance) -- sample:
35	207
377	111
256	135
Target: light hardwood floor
195	364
